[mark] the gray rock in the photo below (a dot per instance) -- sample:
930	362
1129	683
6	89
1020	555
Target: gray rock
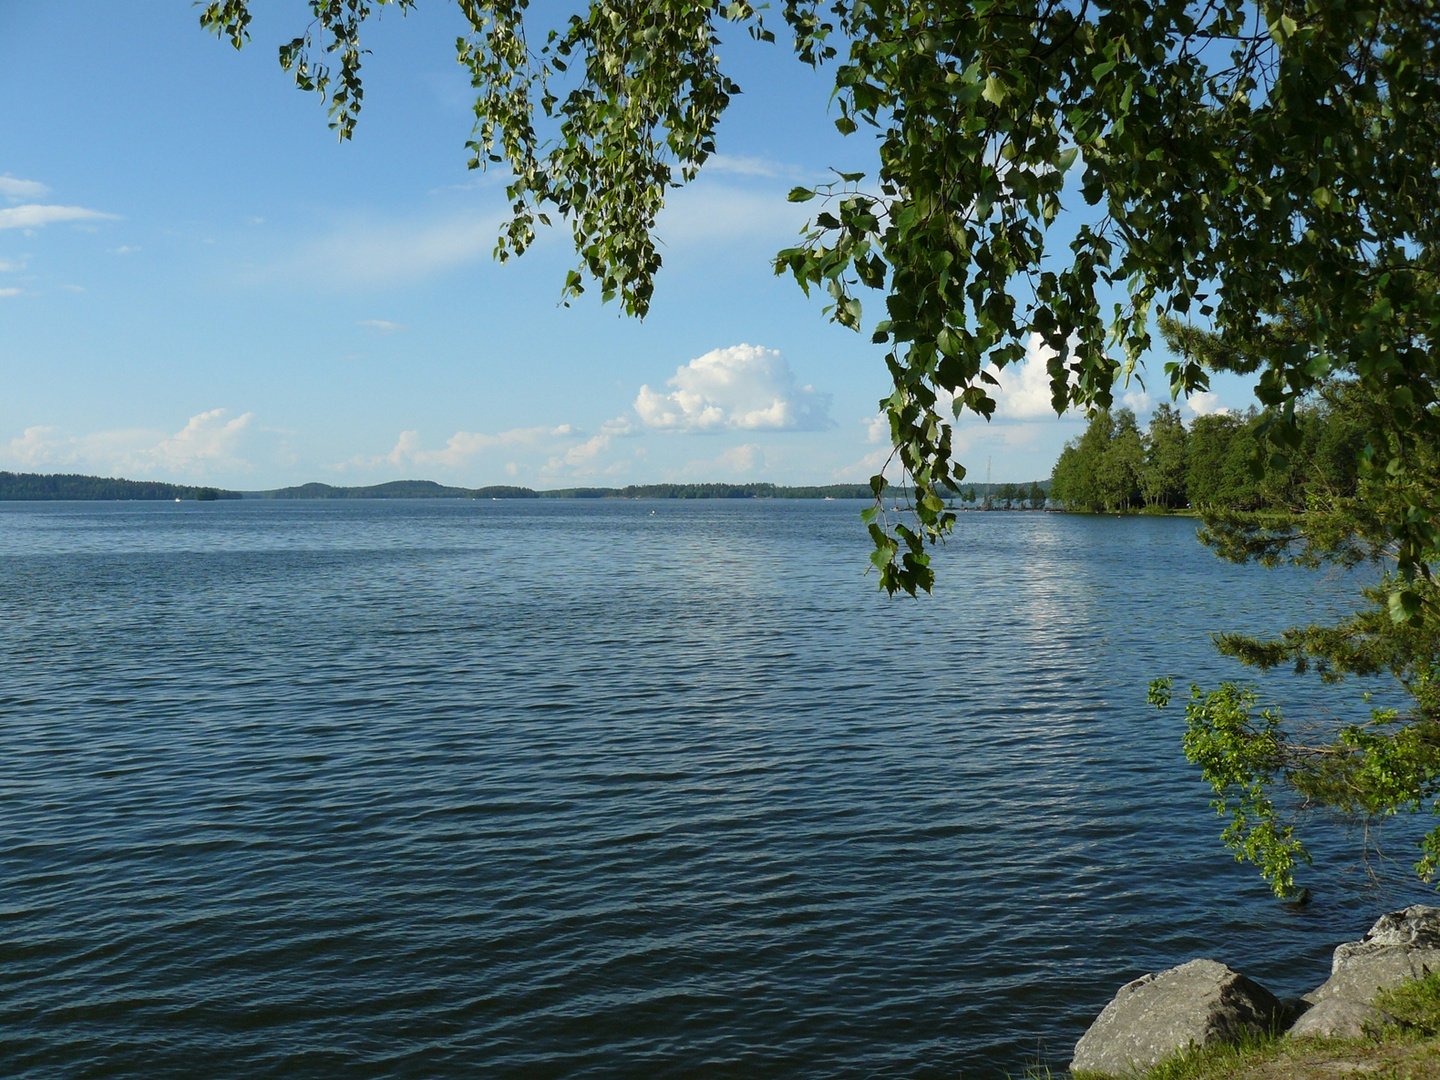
1158	1016
1417	926
1336	1018
1400	946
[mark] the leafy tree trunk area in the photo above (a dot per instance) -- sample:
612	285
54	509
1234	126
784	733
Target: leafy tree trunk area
1326	503
1163	479
1117	475
1263	181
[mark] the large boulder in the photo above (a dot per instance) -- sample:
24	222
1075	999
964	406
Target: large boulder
1336	1018
1400	946
1158	1016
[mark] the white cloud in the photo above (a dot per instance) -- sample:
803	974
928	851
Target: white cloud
877	428
740	165
1205	403
207	443
10	292
584	459
1025	434
125	249
1138	401
1024	390
207	439
35	447
464	447
741	459
382	326
743	387
861	471
532	453
9	266
706	213
34	215
370	255
584	454
15	189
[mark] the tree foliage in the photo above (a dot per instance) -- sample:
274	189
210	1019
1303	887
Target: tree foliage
1164	471
1105	469
1242	160
1217	467
1328	502
38	487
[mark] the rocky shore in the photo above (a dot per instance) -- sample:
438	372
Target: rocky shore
1204	1002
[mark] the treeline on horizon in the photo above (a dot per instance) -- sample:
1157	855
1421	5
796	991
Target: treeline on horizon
428	489
33	487
1008	494
37	487
1215	463
1033	495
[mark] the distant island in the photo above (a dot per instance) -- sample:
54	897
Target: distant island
395	489
32	487
428	489
35	487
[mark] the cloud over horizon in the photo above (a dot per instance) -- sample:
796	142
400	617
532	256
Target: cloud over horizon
744	165
537	450
1024	390
209	442
16	190
708	213
740	388
370	254
35	215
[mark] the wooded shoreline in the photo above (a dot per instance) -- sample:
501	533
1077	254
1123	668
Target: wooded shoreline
34	487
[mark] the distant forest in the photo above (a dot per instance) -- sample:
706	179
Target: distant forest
37	488
28	486
428	489
1116	467
992	495
23	486
395	489
714	491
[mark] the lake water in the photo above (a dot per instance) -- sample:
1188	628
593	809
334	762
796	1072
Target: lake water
610	789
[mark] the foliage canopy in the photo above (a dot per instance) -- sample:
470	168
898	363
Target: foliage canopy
1327	505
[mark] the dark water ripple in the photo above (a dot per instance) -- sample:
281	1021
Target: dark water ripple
607	790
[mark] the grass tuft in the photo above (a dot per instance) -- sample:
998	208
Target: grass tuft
1415	1003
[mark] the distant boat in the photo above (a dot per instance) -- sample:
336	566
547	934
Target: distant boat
829	498
177	500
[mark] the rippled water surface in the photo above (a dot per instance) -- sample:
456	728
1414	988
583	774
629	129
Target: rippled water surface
608	789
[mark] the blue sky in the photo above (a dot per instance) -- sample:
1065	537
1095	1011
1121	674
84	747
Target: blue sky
197	282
